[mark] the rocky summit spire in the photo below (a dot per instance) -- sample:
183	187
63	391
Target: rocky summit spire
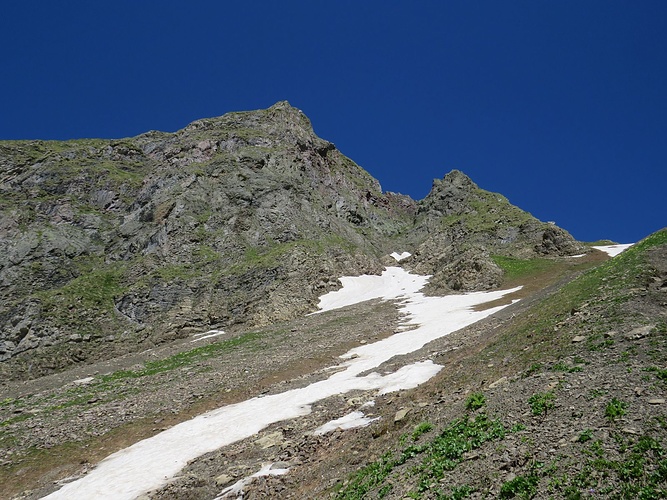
450	194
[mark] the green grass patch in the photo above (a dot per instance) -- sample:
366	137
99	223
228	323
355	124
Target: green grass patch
475	401
541	402
440	455
519	268
638	470
660	373
586	435
18	418
563	367
524	487
615	409
252	340
96	288
610	283
272	255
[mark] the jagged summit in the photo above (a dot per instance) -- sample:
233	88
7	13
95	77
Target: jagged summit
281	122
450	194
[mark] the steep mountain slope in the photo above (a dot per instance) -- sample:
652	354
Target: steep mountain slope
559	395
562	395
115	254
112	246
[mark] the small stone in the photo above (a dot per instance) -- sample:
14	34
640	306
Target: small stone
498	382
270	440
639	391
579	338
401	414
223	480
638	333
656	401
84	381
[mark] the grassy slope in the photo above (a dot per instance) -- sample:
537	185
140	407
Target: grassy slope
617	446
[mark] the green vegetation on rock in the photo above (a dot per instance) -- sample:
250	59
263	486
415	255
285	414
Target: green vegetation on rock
514	268
443	453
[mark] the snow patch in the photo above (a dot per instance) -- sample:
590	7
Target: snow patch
237	487
400	256
349	421
393	283
207	335
613	250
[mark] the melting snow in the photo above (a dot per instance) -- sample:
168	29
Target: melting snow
400	256
237	487
613	250
150	463
207	335
393	283
349	421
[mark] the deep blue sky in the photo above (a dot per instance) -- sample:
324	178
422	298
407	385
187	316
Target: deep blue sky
559	105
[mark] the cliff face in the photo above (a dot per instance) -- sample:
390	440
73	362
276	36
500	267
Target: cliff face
108	246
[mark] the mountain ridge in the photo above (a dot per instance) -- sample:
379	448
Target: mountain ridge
240	219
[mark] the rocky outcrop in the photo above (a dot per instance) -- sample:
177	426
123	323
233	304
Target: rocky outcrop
109	246
462	226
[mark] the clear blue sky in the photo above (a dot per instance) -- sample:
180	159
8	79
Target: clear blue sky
559	105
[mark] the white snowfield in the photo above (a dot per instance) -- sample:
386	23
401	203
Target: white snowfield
613	250
149	464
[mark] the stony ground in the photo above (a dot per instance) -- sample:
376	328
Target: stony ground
60	425
577	402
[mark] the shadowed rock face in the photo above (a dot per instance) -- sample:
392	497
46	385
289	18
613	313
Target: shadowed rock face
108	246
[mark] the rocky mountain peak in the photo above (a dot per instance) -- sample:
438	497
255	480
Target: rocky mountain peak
450	194
244	218
281	123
